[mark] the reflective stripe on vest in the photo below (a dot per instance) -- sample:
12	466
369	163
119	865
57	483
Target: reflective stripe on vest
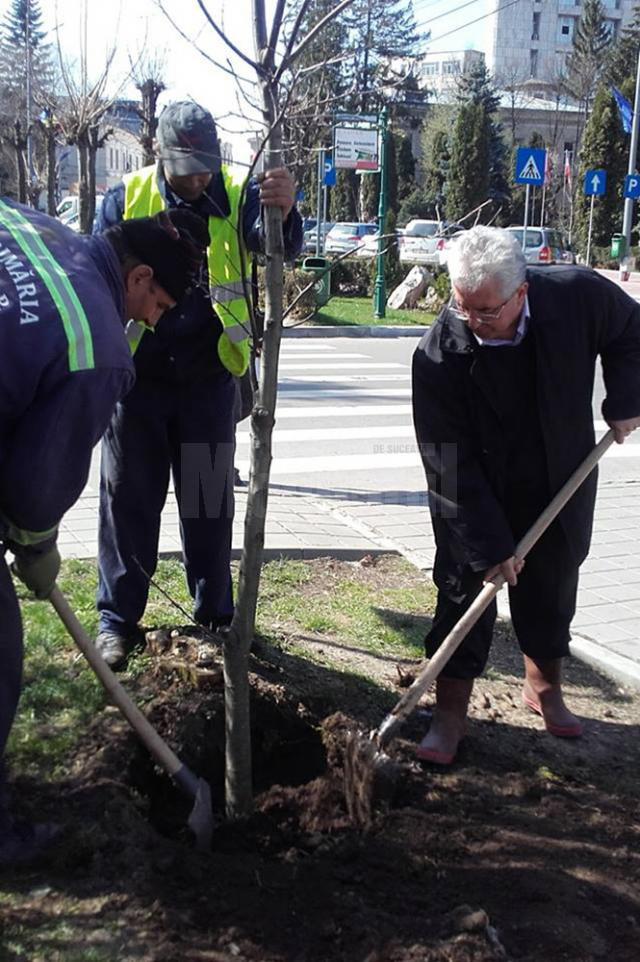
227	263
54	277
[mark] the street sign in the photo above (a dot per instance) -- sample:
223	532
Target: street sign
632	186
595	183
300	195
329	174
355	148
530	165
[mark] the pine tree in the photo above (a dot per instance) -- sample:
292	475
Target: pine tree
405	166
436	174
605	145
468	183
588	59
623	58
476	87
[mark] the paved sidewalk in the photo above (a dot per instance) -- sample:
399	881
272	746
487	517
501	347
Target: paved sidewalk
606	628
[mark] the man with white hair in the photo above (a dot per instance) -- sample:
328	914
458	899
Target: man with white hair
502	395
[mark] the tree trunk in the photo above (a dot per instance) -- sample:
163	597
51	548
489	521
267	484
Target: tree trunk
50	138
150	90
19	145
239	800
94	144
83	182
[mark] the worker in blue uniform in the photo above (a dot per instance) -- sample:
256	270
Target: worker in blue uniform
179	419
64	363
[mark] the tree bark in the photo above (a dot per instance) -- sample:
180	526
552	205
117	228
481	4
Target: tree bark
83	181
50	138
239	799
19	145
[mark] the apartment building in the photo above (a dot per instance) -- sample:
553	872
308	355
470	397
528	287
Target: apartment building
438	71
531	39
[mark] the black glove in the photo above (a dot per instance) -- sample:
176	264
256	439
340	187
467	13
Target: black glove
38	571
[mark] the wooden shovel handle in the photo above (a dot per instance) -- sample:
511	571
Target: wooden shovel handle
457	634
158	748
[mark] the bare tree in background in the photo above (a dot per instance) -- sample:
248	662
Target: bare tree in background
148	76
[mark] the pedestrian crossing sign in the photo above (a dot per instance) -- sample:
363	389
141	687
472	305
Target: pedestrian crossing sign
530	165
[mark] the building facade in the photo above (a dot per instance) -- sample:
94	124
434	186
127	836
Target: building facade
439	71
531	39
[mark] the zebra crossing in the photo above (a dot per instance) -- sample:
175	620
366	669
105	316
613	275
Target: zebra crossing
344	417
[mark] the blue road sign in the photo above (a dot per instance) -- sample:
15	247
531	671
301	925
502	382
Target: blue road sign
300	195
530	165
632	185
329	174
595	183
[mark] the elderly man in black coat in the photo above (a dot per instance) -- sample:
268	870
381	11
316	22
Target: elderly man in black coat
502	395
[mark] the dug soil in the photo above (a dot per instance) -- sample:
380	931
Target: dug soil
528	848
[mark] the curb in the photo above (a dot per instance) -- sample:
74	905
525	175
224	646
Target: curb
317	330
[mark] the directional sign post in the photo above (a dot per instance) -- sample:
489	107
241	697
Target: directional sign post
530	167
595	185
329	174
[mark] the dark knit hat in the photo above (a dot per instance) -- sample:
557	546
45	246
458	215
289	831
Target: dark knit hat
188	140
172	243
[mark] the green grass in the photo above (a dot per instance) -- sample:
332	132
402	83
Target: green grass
61	695
353	311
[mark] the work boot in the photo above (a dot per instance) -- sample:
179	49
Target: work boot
542	694
115	648
448	722
23	842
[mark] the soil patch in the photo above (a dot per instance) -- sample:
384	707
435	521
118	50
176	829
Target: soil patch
527	849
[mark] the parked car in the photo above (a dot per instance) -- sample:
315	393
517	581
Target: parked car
311	235
544	245
369	246
308	223
347	235
424	241
68	210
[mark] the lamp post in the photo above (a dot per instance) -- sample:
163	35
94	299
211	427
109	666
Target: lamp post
379	295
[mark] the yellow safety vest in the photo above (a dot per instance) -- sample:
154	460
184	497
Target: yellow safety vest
227	265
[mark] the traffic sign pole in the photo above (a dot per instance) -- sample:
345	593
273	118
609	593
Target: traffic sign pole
526	217
633	151
319	199
593	197
379	295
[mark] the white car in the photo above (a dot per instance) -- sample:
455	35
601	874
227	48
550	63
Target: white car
425	241
346	236
369	246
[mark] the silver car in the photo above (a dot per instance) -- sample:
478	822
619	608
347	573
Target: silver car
346	236
425	241
544	245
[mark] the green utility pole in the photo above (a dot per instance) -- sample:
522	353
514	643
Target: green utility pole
379	294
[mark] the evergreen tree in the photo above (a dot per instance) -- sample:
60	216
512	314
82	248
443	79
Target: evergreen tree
476	87
588	59
405	166
21	15
605	145
468	183
623	56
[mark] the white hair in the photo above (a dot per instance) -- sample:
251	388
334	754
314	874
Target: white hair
486	254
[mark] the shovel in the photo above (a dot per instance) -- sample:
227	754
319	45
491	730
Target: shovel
368	771
201	818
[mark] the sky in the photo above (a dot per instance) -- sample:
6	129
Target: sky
133	25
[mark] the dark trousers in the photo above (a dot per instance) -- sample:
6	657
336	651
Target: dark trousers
10	672
186	430
542	605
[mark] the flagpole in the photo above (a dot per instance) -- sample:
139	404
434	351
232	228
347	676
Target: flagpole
633	150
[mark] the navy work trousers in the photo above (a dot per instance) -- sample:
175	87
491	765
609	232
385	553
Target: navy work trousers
162	428
10	672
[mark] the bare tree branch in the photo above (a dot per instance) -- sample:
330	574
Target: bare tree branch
223	36
293	56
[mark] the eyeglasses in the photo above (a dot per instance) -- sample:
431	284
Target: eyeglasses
482	317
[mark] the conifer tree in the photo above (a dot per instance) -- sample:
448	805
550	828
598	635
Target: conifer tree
468	183
605	145
588	58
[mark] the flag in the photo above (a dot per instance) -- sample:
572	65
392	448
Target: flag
624	109
548	168
567	168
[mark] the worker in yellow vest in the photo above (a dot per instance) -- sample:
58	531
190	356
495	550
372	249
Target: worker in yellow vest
179	418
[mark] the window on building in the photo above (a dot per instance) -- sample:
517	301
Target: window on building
568	147
431	69
611	26
611	4
450	66
570	3
565	29
535	31
111	157
533	63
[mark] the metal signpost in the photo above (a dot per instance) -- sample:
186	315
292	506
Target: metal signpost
531	164
595	185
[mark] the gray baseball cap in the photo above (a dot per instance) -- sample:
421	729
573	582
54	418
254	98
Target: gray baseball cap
188	140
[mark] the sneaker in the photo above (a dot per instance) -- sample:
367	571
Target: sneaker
237	480
24	842
115	648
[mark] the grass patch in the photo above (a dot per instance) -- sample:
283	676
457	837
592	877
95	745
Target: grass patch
378	609
358	311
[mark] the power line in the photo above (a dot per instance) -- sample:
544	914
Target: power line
469	23
423	23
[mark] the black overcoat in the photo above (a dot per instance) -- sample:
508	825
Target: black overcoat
576	316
